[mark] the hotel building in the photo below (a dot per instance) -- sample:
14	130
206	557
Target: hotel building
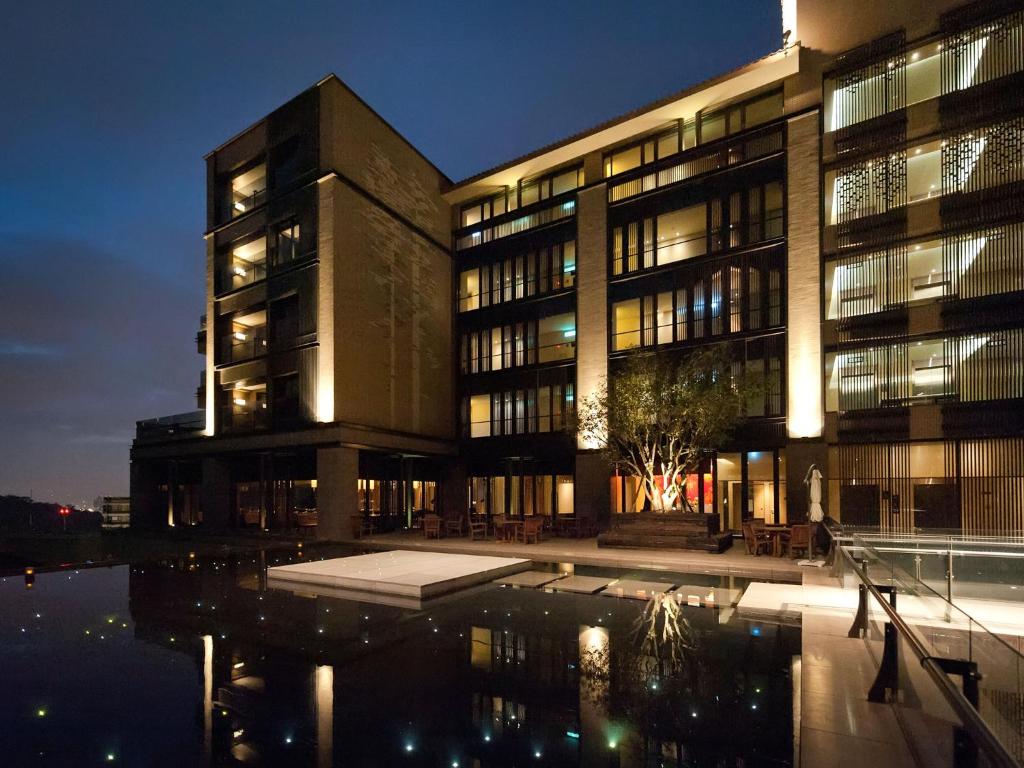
845	214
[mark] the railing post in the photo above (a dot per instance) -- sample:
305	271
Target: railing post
887	681
965	748
860	621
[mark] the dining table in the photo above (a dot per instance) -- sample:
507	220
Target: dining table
509	530
778	534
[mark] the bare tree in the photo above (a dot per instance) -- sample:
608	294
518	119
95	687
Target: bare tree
657	417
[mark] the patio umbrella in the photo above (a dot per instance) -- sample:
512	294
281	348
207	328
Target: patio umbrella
813	482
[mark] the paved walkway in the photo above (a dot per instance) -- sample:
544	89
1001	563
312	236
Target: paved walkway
733	562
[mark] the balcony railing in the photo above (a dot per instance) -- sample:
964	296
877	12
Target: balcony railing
242	205
538	215
191	421
253	344
696	162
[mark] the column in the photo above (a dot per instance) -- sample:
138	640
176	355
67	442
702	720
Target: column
592	472
337	492
805	412
215	496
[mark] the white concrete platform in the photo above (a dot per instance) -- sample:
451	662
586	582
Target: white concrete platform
586	585
637	590
400	572
529	579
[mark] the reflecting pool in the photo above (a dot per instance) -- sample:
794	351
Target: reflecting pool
195	661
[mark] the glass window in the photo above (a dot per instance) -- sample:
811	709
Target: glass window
668	144
556	338
471	214
924	79
565	494
682	234
287	243
480	416
773	210
762	110
924	172
563	182
469	290
665	320
624	160
569	263
712	127
626	324
544	409
529	193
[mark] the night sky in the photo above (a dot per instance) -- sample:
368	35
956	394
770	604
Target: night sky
108	108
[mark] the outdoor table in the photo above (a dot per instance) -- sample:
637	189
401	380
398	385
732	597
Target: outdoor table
510	529
777	532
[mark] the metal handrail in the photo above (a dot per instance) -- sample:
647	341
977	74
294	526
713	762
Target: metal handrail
969	716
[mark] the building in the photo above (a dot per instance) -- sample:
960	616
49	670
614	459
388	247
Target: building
844	213
116	511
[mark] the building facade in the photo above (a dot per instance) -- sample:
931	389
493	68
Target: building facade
843	214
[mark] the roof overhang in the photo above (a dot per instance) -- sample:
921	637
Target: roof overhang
750	78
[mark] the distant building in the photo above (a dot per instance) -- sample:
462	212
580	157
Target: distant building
116	511
845	213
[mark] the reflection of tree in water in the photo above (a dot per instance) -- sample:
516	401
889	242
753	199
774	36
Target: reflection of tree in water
655	680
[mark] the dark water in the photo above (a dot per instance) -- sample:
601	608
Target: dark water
195	662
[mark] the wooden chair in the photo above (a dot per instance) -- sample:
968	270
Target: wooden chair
432	526
478	528
800	538
756	541
455	527
498	524
531	529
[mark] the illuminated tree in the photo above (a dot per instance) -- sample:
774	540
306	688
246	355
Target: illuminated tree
656	418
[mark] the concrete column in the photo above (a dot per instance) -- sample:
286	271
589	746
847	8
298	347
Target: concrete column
215	494
454	490
325	301
593	488
144	480
337	492
805	411
591	483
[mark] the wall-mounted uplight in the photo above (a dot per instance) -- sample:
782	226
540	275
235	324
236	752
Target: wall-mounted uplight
240	271
239	335
240	401
240	206
570	334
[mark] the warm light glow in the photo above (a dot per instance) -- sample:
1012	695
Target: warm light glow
324	716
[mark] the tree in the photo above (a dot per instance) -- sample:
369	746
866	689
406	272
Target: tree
656	418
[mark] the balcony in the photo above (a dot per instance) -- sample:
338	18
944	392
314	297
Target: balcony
179	424
530	217
247	340
758	144
248	190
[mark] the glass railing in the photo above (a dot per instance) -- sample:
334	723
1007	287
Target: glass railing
504	227
244	345
697	162
956	682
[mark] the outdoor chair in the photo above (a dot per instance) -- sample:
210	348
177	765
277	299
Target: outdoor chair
432	526
757	541
800	539
455	527
531	529
478	528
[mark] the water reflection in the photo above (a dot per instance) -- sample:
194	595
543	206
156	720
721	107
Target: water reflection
492	677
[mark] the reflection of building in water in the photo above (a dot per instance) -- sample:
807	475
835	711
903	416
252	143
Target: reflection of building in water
492	677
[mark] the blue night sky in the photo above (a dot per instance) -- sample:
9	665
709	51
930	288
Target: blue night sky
109	107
